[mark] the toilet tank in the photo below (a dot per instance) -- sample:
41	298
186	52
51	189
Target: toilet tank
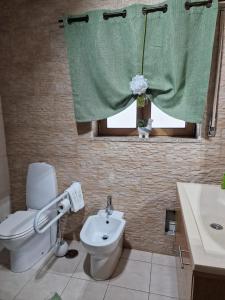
41	185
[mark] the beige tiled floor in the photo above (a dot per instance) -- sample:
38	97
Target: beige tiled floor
138	276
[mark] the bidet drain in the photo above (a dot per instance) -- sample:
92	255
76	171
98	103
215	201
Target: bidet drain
216	226
105	237
71	253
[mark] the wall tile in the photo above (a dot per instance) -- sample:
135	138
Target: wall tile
39	124
4	172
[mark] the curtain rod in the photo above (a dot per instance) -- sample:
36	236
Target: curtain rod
162	8
188	5
123	14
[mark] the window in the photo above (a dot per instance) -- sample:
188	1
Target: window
124	123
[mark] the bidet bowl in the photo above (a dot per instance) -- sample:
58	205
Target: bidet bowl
100	235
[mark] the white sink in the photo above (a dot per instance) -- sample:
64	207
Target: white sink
203	205
207	204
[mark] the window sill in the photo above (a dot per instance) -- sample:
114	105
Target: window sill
153	139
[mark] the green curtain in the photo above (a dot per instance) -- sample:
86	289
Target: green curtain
178	57
105	55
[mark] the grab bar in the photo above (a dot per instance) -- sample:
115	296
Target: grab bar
38	215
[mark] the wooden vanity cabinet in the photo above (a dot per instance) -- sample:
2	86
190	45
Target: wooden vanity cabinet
183	261
194	285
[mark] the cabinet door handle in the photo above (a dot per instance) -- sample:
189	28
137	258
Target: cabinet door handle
181	257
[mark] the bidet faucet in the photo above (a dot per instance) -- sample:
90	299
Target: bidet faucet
109	207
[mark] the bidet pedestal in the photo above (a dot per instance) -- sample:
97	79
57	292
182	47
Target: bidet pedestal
101	268
102	237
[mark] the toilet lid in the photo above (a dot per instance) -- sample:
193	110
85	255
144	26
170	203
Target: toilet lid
19	224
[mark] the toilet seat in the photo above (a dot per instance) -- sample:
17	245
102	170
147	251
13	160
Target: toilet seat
19	224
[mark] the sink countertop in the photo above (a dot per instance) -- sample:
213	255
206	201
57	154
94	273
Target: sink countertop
203	261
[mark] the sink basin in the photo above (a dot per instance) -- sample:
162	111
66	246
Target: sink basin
207	203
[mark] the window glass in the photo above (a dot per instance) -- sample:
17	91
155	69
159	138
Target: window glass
162	120
125	119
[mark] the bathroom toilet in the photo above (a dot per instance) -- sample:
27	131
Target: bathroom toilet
17	232
102	236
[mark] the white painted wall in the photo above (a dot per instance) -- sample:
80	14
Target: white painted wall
4	173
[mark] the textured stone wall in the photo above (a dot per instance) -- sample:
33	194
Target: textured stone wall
4	173
39	123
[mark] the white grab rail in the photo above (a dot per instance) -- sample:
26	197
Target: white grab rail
49	224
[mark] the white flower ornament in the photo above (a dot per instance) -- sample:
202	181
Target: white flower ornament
138	85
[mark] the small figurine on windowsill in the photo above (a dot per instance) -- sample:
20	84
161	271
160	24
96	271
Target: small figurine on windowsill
144	128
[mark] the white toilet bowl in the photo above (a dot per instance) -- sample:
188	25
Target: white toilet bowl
18	228
102	237
17	232
18	236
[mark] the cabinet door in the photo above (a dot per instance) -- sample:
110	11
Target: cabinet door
183	261
208	286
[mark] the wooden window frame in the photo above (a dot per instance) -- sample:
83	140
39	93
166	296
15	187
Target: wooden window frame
142	113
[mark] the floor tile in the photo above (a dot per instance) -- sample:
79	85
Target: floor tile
165	260
163	281
76	245
118	293
43	288
44	260
132	274
11	283
137	255
130	280
83	269
79	289
159	297
59	265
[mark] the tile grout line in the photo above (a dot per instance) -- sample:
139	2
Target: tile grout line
66	285
172	267
83	254
29	280
71	276
91	280
148	262
172	298
106	291
107	287
123	287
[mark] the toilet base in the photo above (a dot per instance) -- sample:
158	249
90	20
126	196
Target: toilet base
101	268
30	253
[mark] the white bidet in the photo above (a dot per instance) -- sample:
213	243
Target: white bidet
102	236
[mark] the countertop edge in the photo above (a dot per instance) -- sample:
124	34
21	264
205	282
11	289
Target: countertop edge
198	254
